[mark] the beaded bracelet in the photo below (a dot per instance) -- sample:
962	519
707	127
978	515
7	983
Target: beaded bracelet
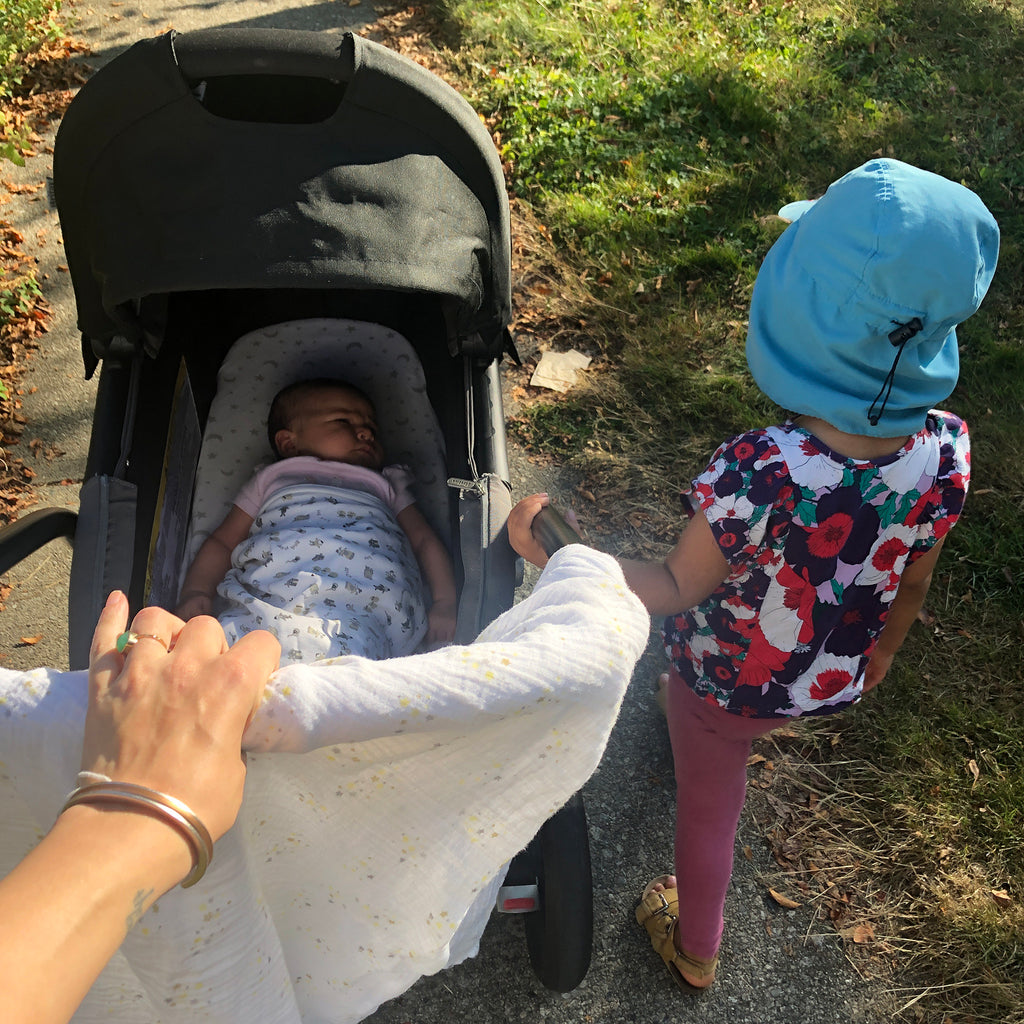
168	808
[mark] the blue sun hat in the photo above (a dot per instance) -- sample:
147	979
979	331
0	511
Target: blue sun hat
854	313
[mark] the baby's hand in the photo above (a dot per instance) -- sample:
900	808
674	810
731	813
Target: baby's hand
441	623
194	604
520	533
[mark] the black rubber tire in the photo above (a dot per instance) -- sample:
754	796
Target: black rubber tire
560	935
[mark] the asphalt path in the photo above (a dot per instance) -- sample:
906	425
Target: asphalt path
779	966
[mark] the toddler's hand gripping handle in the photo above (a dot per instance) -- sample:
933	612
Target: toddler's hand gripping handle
552	531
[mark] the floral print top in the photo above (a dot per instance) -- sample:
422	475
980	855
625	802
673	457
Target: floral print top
816	543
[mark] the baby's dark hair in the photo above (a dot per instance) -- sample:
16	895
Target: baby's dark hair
282	408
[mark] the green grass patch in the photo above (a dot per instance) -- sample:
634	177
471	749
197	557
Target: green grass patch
23	24
656	139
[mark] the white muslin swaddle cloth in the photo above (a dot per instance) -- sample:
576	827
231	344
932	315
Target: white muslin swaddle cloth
382	800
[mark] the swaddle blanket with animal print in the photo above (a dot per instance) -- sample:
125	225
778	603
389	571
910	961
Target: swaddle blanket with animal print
329	572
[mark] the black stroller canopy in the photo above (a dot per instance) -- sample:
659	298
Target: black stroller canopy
396	186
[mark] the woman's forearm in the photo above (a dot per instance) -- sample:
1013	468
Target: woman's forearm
68	905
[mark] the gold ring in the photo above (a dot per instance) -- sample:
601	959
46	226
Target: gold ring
130	639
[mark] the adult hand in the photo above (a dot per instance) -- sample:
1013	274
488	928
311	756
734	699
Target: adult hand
173	719
167	714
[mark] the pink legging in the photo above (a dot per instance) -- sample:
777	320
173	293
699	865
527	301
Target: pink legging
710	748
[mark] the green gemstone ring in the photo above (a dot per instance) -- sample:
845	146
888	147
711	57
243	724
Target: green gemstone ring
130	639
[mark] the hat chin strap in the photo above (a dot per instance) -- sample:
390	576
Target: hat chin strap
898	338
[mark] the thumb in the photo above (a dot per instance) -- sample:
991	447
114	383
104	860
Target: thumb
257	654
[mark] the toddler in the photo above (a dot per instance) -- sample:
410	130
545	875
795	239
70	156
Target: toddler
325	547
811	543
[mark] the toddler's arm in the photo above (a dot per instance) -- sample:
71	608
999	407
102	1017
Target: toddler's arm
212	561
909	600
690	572
436	566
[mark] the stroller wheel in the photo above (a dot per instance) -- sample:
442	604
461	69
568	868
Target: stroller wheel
559	936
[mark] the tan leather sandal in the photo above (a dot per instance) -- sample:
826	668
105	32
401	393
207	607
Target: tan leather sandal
658	913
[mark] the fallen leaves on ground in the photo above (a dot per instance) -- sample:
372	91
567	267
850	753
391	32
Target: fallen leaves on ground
792	814
783	901
48	81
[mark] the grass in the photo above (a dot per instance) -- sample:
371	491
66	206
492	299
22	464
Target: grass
23	24
655	139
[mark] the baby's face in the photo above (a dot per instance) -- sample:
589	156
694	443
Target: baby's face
337	425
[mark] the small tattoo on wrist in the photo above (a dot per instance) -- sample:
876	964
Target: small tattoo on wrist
138	908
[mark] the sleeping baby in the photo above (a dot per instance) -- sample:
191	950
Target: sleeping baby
325	547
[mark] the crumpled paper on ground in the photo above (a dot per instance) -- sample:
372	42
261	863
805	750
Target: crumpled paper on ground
557	370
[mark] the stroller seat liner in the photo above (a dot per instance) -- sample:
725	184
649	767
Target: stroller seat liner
374	358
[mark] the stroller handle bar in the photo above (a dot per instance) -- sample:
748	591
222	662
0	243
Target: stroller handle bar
552	531
214	53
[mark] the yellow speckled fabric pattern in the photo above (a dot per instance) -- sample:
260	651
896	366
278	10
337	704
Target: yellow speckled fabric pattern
383	800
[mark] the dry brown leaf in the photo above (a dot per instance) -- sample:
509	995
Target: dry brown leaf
783	901
30	640
859	933
1001	897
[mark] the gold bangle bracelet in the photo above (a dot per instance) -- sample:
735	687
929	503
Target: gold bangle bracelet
168	808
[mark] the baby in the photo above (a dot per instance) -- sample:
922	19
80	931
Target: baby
325	547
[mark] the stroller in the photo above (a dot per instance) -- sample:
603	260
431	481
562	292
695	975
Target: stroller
240	207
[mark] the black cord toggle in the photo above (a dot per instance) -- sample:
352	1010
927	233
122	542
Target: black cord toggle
898	339
904	332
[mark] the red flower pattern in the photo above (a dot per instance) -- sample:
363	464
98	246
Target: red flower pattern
829	683
827	539
889	553
762	676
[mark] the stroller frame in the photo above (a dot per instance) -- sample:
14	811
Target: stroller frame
172	261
